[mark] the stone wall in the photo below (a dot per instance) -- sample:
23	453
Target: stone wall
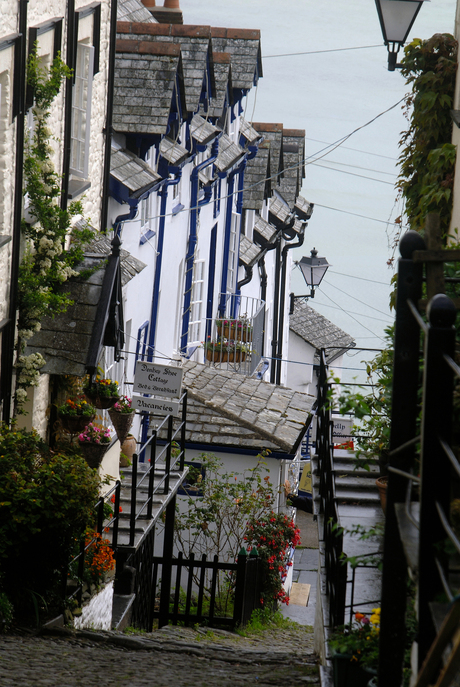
97	613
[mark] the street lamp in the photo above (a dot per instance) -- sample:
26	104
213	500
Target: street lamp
396	19
313	269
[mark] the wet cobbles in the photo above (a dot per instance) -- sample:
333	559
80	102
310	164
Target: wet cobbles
172	656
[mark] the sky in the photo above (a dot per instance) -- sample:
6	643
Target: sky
325	71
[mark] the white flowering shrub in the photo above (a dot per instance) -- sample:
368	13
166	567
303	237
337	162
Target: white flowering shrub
46	264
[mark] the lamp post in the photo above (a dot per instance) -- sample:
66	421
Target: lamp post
313	269
396	19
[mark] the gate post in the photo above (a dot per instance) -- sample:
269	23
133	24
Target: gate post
166	571
435	465
404	411
240	588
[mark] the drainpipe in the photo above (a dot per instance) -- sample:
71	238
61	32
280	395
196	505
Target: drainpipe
70	61
279	353
193	237
8	332
275	310
156	284
117	225
109	116
248	269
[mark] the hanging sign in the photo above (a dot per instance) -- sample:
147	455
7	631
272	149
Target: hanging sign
157	380
155	406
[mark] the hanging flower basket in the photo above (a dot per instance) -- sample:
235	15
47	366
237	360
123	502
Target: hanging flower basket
101	402
122	423
236	330
93	453
74	424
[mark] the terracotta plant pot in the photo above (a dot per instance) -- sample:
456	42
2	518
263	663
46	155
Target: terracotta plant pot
382	483
148	3
172	4
122	423
75	424
93	453
128	448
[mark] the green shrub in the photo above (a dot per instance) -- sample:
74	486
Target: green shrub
47	499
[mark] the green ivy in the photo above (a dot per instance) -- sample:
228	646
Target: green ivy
52	248
427	156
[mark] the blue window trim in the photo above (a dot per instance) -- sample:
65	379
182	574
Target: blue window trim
141	341
178	208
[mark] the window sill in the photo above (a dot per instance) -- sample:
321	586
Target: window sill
145	236
77	187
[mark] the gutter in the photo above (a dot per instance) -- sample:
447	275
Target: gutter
193	238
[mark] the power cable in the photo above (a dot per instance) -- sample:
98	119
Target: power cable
357	299
353	174
318	52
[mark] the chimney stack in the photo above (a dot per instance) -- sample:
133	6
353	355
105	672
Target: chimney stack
170	13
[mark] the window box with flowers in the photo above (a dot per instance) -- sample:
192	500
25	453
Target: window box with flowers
75	414
101	392
355	650
94	442
122	416
225	351
238	330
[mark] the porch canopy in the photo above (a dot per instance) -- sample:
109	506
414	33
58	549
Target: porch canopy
259	414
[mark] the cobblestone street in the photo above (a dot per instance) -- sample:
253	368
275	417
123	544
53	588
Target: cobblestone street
171	656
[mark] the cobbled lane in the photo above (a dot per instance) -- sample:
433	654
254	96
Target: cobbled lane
171	656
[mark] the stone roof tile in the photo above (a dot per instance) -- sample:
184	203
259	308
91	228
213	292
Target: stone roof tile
132	172
133	11
318	331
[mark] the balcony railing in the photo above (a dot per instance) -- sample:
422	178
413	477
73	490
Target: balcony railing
234	339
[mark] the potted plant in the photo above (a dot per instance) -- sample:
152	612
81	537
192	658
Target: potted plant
225	351
94	442
122	416
238	329
102	392
75	414
355	650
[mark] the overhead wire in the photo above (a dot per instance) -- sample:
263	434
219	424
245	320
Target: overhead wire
318	52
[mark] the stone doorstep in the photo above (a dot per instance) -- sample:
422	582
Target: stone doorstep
122	611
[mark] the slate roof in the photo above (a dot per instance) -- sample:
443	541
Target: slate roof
195	46
133	10
248	131
257	185
173	152
207	425
303	208
202	131
65	339
229	153
222	83
244	48
132	172
279	212
145	76
290	183
266	230
319	332
274	134
249	252
274	413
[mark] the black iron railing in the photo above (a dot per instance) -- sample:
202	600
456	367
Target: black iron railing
74	573
416	534
335	569
170	458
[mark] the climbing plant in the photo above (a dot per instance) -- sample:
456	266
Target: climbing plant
427	159
53	247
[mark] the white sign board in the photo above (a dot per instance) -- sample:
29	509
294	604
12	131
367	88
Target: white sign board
158	380
341	428
156	406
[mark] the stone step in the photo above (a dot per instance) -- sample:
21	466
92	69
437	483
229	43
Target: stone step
356	496
343	466
343	481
